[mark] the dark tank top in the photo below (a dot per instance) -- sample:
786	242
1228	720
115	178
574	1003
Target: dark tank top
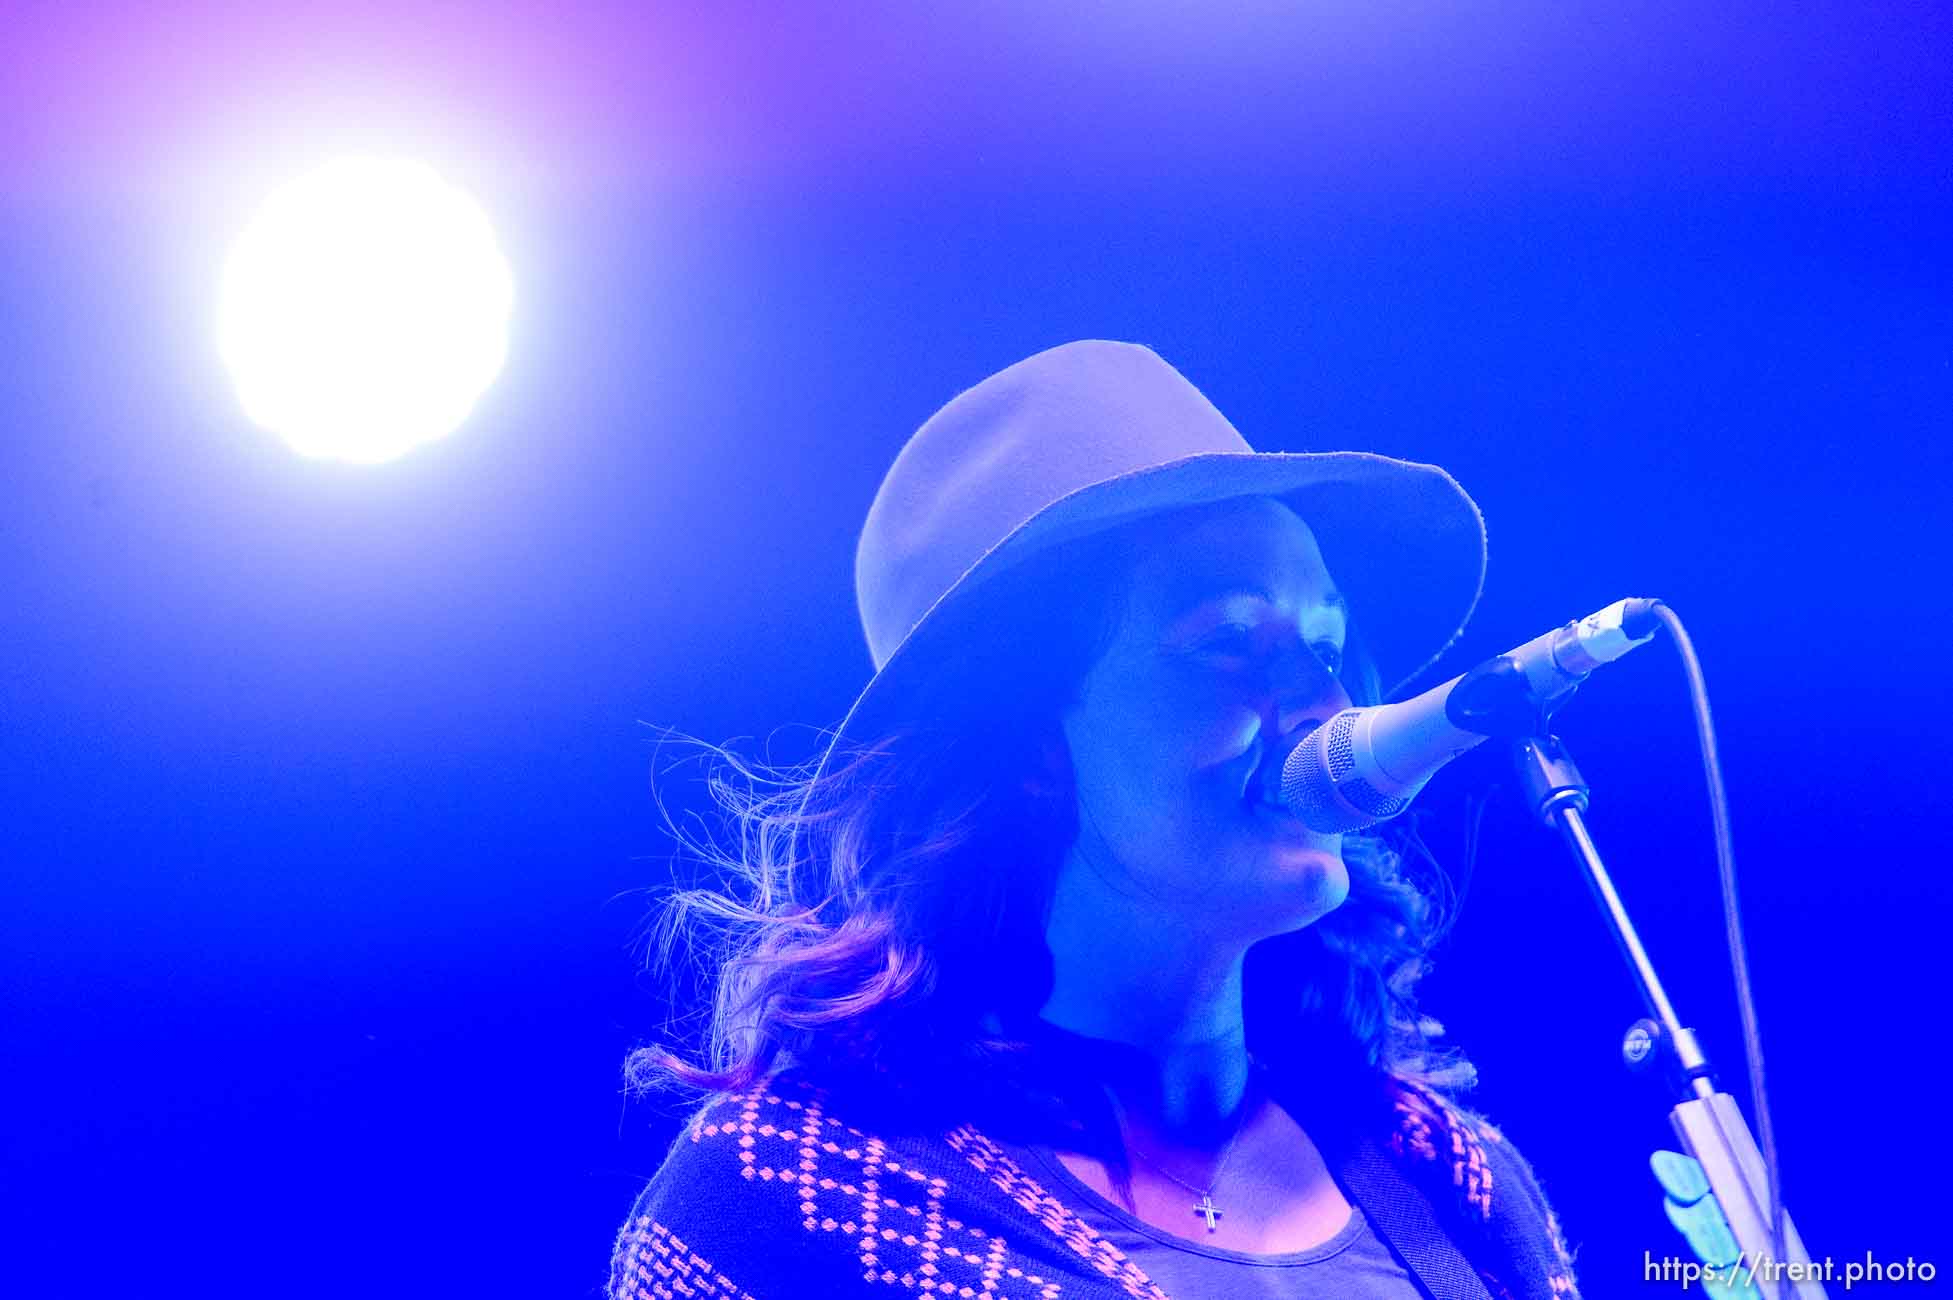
1354	1264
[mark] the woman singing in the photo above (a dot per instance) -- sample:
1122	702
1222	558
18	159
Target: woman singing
1030	987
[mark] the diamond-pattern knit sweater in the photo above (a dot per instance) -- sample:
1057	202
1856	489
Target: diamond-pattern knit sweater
774	1193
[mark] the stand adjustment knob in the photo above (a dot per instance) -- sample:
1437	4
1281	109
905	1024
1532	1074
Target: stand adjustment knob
1644	1046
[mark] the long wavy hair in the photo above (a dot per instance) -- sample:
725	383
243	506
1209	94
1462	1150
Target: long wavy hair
882	917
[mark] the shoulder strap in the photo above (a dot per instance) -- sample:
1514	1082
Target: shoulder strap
1342	1116
1402	1216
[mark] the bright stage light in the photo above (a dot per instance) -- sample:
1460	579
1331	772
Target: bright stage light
364	310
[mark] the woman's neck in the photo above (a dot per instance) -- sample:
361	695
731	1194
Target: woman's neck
1118	975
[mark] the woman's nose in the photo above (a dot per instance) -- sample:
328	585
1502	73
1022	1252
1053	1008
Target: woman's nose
1307	691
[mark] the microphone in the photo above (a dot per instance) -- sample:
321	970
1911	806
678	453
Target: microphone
1364	765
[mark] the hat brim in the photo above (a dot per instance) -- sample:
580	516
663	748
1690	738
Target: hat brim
1404	541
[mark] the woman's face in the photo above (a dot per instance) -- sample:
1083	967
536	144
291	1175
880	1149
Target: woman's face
1231	636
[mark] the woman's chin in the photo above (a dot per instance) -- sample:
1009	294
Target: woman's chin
1309	883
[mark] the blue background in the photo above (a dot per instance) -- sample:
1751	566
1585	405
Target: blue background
324	795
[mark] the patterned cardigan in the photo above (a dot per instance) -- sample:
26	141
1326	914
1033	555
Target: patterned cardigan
769	1194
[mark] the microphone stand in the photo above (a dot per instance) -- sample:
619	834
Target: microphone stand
1707	1120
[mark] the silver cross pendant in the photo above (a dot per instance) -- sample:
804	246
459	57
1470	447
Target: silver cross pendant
1206	1210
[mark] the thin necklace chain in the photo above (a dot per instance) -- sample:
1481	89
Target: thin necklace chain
1220	1166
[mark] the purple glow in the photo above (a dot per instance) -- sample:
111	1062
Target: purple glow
600	95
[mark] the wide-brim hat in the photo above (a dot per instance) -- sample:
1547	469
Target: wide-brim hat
1091	435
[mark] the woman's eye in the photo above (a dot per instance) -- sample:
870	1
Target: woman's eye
1230	640
1233	642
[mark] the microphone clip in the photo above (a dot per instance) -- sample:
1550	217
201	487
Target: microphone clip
1497	699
